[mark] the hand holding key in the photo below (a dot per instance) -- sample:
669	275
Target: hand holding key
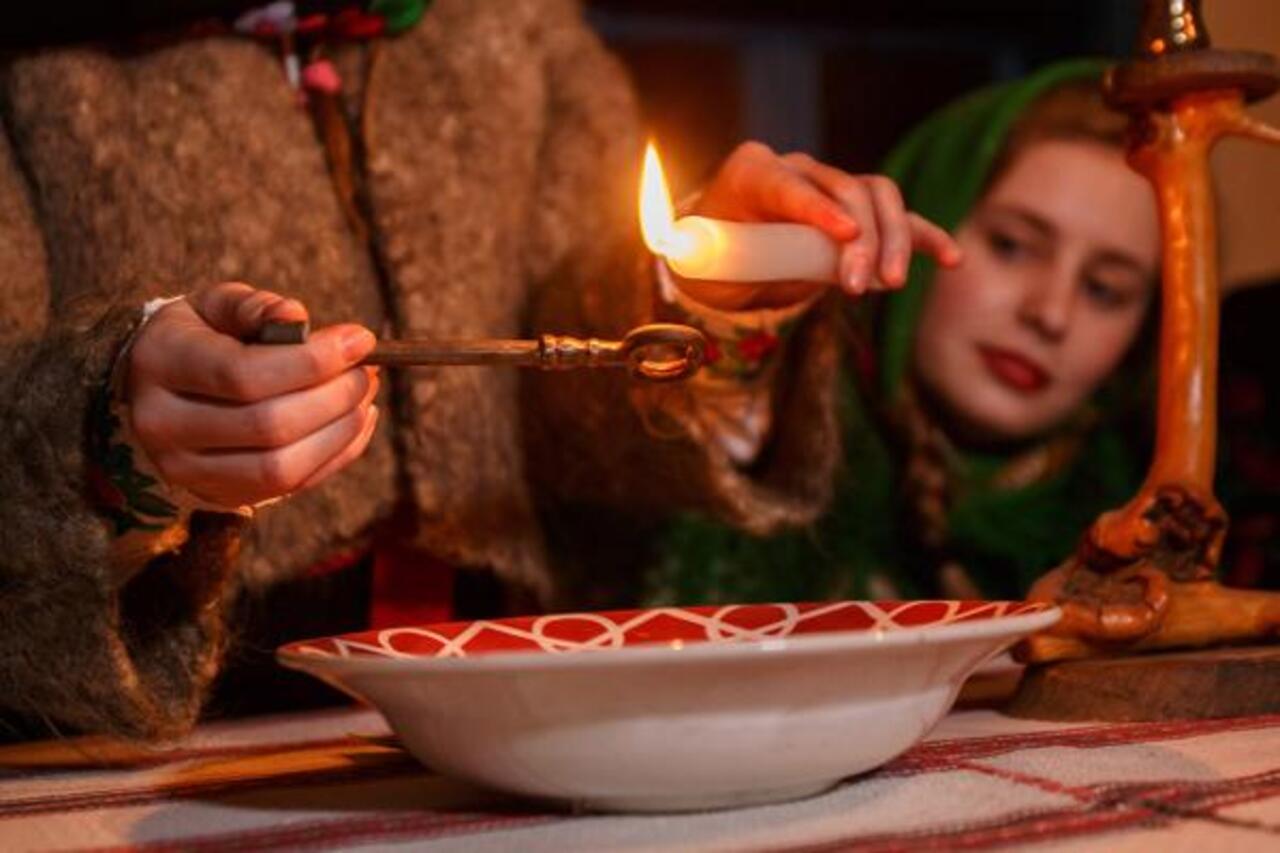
235	423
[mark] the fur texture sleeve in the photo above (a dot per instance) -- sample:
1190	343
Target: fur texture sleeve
75	651
24	277
599	438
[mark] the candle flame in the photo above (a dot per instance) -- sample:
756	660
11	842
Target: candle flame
657	216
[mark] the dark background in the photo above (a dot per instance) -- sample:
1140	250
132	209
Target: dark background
842	80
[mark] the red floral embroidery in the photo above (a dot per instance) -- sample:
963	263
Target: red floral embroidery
712	352
107	495
314	23
354	24
758	346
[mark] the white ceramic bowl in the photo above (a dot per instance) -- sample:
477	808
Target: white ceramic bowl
674	708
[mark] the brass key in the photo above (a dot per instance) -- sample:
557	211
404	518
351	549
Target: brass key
657	352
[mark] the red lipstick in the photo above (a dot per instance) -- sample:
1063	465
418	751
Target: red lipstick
1014	370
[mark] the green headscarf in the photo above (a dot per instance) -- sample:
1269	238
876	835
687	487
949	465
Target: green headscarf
942	168
1004	537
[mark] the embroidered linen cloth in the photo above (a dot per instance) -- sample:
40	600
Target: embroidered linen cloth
335	779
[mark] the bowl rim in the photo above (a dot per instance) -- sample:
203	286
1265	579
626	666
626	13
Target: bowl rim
646	654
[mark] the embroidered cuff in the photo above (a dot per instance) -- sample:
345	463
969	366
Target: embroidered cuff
734	390
741	345
127	487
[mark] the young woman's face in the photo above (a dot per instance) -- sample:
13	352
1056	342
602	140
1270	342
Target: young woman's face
1059	268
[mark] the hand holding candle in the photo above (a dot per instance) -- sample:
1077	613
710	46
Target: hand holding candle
772	230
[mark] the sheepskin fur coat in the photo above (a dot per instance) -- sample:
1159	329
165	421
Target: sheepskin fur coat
497	150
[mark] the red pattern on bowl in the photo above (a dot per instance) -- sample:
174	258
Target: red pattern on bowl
671	626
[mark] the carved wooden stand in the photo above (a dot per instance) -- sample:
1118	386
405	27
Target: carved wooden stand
1143	578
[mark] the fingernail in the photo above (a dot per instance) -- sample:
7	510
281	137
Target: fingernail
286	309
371	388
894	272
855	276
846	270
356	343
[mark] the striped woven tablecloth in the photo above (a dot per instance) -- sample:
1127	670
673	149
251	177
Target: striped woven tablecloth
336	780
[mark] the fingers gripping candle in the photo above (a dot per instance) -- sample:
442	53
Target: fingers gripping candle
718	250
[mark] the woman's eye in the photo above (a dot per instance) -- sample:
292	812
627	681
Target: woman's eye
1004	246
1104	294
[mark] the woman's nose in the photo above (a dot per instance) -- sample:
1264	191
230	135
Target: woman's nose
1048	304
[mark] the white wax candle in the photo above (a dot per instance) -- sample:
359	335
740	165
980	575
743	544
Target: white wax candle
719	250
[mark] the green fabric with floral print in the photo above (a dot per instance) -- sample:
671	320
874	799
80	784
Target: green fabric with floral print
131	499
399	15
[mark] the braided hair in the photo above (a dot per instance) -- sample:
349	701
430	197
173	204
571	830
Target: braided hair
1074	111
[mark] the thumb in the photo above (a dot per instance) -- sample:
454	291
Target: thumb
239	310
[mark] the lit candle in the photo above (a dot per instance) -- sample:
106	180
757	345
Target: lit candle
718	250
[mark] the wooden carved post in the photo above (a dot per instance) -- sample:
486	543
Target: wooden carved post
1143	577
